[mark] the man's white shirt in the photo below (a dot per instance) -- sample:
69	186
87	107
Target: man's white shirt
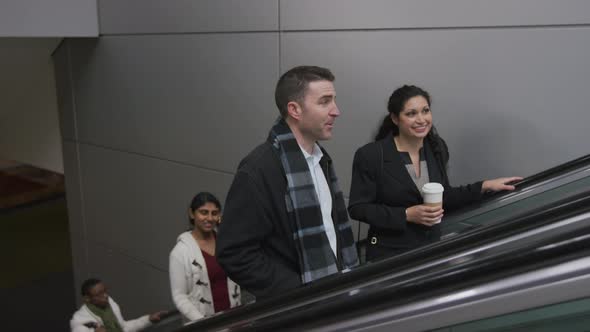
323	192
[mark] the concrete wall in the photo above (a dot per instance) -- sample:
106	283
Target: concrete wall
173	94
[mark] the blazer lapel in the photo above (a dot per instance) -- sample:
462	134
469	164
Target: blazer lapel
393	164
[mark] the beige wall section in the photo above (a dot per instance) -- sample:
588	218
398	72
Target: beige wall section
29	125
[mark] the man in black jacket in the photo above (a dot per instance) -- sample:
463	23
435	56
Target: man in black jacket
285	222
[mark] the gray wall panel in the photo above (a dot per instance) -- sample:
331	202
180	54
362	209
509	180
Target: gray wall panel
75	215
41	18
64	91
179	16
382	14
506	101
207	102
138	288
138	205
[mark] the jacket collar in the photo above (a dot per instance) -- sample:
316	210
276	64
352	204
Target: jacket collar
392	163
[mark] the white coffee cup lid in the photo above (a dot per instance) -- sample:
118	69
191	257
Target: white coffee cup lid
432	188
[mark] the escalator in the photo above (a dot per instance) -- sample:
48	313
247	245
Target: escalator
537	236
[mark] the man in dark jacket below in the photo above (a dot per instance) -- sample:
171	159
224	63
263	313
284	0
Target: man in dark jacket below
285	222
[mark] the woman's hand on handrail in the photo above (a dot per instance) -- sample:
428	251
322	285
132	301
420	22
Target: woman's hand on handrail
500	184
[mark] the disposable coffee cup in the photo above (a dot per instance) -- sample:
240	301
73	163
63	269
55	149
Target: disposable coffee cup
432	194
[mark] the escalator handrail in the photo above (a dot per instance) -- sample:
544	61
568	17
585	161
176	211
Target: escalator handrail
553	171
526	183
170	313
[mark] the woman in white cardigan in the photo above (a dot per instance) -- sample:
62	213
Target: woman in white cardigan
200	287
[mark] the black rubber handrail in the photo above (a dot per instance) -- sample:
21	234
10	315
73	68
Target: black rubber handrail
169	314
551	172
527	182
414	258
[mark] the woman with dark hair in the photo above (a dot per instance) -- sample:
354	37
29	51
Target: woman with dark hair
200	287
387	176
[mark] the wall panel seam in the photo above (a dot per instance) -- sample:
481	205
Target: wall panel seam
156	158
474	27
280	37
72	87
78	160
98	17
189	33
121	252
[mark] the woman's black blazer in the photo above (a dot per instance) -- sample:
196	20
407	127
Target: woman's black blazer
382	189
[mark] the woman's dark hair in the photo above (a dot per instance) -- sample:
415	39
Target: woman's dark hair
395	105
201	199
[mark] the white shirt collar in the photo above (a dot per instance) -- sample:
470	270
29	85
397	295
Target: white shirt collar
316	153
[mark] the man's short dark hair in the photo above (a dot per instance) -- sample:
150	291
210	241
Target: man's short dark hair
293	84
88	284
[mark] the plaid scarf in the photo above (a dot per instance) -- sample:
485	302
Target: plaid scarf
316	258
